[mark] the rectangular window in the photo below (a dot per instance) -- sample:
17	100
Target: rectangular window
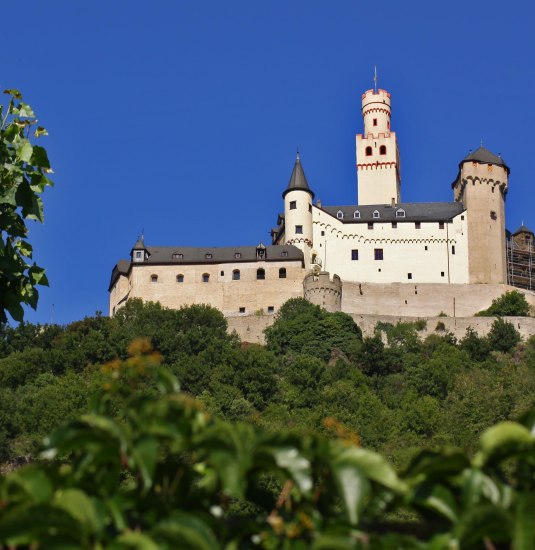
453	249
462	217
354	254
426	247
284	253
138	254
409	275
237	255
222	274
370	225
271	309
375	122
310	208
180	278
323	233
293	205
442	273
394	225
299	229
441	225
178	256
417	225
378	253
242	310
493	215
208	256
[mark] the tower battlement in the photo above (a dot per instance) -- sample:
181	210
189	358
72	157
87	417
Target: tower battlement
323	291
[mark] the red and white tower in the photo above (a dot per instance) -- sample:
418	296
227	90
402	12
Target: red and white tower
378	170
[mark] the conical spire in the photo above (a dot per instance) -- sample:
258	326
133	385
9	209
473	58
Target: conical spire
298	180
484	156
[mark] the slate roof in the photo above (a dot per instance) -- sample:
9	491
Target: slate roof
163	255
298	179
414	211
522	229
140	245
484	156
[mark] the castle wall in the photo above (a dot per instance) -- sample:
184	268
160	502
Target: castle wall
321	290
251	328
425	253
221	291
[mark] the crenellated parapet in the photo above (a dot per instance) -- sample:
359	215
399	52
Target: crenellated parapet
321	290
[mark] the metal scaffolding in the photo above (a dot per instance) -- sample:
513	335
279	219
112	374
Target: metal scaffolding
520	265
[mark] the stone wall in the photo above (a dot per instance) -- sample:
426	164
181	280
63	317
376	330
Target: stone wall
250	328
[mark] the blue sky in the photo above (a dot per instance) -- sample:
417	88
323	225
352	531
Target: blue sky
182	117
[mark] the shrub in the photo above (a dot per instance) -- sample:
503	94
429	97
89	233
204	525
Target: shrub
511	304
503	336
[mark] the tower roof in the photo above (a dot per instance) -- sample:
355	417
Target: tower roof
298	180
140	245
523	229
484	156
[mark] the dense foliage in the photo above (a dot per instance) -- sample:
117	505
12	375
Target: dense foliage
156	471
512	303
24	169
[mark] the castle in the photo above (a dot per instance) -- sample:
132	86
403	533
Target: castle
378	256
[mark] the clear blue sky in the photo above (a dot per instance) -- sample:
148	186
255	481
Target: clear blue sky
182	117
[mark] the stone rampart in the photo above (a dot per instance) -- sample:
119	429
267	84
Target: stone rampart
319	289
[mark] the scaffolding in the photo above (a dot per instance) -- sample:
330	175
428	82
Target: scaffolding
520	265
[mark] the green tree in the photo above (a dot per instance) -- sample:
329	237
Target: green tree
503	336
24	170
512	303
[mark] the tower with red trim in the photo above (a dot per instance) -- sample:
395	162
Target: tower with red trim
378	169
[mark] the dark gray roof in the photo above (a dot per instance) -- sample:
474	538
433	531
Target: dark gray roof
522	229
414	211
484	156
140	245
298	179
227	254
121	268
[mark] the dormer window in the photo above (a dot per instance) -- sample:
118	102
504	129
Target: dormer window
400	213
382	150
340	215
369	151
356	214
237	255
376	214
284	253
178	256
139	254
208	256
261	252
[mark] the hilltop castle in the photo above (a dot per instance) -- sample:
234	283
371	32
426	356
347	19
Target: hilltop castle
377	256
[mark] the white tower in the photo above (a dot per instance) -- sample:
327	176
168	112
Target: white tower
298	212
378	170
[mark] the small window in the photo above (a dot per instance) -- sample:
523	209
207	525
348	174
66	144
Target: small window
409	275
394	225
462	217
237	255
400	213
354	254
138	253
282	273
242	310
154	278
388	124
441	225
425	247
382	150
299	229
493	189
417	225
453	249
222	273
340	215
284	254
205	277
375	122
356	214
493	215
236	275
378	253
293	205
370	225
442	273
310	207
271	309
208	256
178	256
260	274
369	151
376	214
180	278
323	233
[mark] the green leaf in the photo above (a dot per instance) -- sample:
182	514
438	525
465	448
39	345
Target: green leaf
524	526
501	441
290	459
353	486
80	507
25	152
25	110
185	531
33	481
40	157
13	92
133	541
437	498
145	454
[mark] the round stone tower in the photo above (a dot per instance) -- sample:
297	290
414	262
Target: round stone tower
319	289
298	212
481	185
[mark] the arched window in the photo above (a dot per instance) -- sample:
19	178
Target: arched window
236	275
205	277
340	215
154	278
260	274
376	214
180	278
369	151
356	214
400	213
382	150
282	273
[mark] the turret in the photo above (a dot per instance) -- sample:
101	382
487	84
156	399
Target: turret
378	170
298	211
139	252
481	185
